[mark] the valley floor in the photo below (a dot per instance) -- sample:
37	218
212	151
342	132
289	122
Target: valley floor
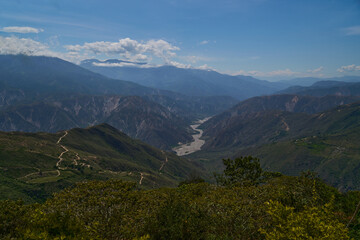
196	144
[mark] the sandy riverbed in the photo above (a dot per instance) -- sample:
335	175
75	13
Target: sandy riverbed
196	144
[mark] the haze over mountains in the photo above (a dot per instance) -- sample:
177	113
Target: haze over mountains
323	88
191	82
308	81
49	94
173	119
157	105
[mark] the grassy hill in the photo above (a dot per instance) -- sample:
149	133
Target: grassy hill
34	165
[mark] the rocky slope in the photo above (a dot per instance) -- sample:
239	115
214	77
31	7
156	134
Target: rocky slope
263	118
133	115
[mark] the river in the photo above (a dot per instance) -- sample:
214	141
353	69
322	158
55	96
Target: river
196	144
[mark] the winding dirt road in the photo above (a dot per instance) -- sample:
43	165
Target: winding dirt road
60	157
141	178
166	160
61	154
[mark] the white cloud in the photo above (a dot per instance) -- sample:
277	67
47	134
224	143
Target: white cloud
204	42
349	68
15	29
355	30
120	64
206	67
179	65
129	49
316	70
148	65
137	54
27	46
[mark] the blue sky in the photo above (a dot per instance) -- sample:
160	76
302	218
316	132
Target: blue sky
267	39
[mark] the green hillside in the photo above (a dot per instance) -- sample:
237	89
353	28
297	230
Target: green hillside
335	156
34	165
327	142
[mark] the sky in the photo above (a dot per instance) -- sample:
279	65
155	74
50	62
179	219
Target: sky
266	39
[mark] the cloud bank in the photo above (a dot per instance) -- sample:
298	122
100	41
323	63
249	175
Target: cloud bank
15	29
349	68
129	49
27	46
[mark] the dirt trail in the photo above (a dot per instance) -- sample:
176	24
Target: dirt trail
77	159
166	160
38	173
141	178
287	128
66	133
60	157
30	174
61	154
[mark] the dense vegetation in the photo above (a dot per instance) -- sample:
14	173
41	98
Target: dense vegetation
268	206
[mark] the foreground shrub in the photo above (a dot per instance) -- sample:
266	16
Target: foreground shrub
311	223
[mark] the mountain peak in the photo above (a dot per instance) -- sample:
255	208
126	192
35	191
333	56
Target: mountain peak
103	126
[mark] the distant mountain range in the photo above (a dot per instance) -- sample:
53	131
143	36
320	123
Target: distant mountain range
50	94
191	82
44	76
308	81
324	88
300	127
35	165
